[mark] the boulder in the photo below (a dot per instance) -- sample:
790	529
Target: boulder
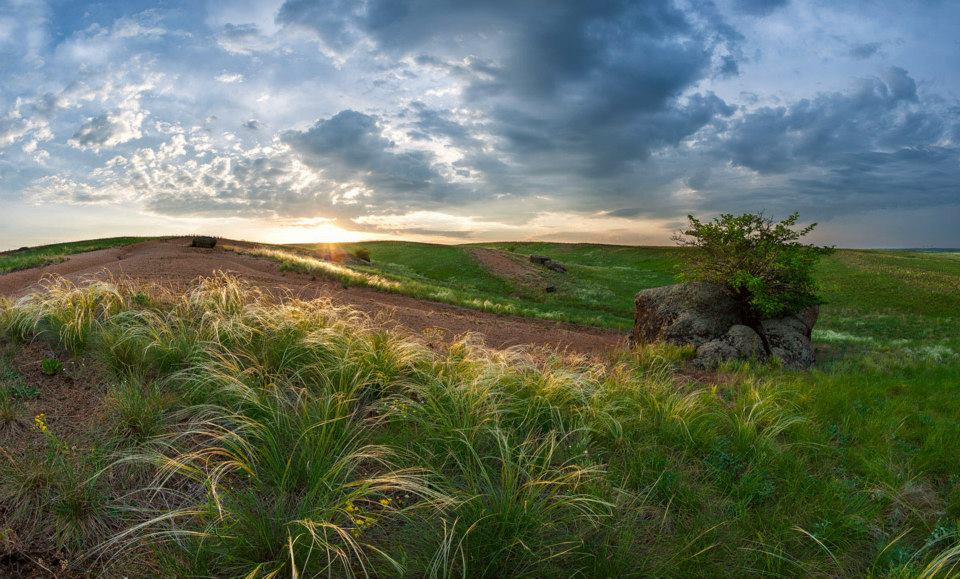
712	353
788	340
706	316
809	318
687	313
548	263
740	343
555	266
204	241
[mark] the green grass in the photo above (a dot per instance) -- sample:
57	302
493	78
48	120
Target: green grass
597	290
55	253
245	437
875	299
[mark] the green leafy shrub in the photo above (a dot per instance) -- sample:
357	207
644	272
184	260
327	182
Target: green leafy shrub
763	263
51	366
362	253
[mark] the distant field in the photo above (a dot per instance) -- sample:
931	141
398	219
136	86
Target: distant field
874	298
44	254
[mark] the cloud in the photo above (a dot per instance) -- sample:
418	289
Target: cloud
760	7
436	223
351	147
623	113
879	144
229	77
244	39
110	129
864	50
571	92
188	174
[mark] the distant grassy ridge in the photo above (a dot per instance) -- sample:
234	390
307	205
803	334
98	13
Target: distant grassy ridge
875	298
598	289
14	260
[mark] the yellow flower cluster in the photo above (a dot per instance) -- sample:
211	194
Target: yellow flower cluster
362	522
40	421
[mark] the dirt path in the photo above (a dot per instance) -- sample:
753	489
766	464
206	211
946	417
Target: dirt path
508	266
172	262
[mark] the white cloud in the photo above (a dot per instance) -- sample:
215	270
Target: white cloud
435	221
229	77
109	129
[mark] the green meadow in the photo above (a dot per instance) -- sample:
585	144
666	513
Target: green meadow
238	436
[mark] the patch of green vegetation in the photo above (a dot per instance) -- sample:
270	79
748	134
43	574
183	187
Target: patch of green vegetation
893	296
11	381
296	438
55	253
51	366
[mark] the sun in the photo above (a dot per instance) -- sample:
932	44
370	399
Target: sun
313	231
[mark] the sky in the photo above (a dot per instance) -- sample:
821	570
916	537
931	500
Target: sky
467	120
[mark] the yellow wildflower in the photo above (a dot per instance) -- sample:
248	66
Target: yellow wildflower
350	508
40	421
384	502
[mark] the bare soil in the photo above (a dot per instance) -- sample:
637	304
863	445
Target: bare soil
509	266
71	399
173	263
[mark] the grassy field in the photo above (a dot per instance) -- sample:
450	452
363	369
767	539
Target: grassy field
45	254
879	299
236	436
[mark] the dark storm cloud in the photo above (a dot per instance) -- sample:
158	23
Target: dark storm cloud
351	147
879	113
583	88
879	145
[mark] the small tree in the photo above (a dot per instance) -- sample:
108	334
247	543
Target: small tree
763	263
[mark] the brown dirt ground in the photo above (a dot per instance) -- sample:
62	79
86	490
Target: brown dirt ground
508	266
172	263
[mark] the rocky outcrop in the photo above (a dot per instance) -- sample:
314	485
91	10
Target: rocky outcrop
688	313
706	316
548	263
204	241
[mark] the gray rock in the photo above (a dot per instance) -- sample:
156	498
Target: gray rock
788	340
745	341
689	313
712	353
739	343
548	263
809	318
204	242
555	266
706	316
